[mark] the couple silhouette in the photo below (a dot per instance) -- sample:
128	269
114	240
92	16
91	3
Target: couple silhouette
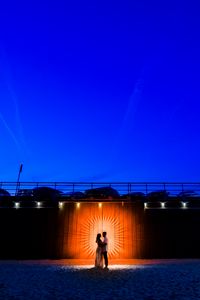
101	251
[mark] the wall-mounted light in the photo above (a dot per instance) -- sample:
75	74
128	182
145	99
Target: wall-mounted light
17	204
78	204
100	205
60	204
38	204
145	205
184	204
163	204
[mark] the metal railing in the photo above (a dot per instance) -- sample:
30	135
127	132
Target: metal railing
123	188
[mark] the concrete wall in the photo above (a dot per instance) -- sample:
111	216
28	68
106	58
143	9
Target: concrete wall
171	233
27	233
70	232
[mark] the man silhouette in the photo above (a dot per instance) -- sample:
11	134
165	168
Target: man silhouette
105	249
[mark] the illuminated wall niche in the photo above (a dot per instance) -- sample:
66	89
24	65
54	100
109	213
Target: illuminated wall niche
83	221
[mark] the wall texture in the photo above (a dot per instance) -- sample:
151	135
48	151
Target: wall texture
80	225
70	231
28	233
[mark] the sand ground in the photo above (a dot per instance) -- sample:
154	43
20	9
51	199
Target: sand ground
78	279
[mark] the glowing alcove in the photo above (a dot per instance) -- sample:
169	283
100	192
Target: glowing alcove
82	222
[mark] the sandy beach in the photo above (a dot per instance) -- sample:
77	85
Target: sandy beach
148	279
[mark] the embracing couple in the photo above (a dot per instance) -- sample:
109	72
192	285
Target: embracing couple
101	252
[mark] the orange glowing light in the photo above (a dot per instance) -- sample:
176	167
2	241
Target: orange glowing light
81	227
97	225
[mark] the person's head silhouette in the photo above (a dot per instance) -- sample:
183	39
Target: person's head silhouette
104	234
98	237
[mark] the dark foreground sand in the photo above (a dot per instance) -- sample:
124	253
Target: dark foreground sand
171	279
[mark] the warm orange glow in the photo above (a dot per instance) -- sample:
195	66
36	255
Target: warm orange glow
100	205
97	225
83	225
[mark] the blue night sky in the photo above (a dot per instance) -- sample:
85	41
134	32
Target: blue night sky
100	91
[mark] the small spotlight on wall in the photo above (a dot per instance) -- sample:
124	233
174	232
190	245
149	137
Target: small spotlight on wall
60	204
163	204
78	204
38	204
17	204
145	205
184	204
100	205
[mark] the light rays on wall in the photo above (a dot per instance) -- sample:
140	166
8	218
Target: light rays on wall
83	223
97	225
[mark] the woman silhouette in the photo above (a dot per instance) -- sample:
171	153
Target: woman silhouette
99	253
